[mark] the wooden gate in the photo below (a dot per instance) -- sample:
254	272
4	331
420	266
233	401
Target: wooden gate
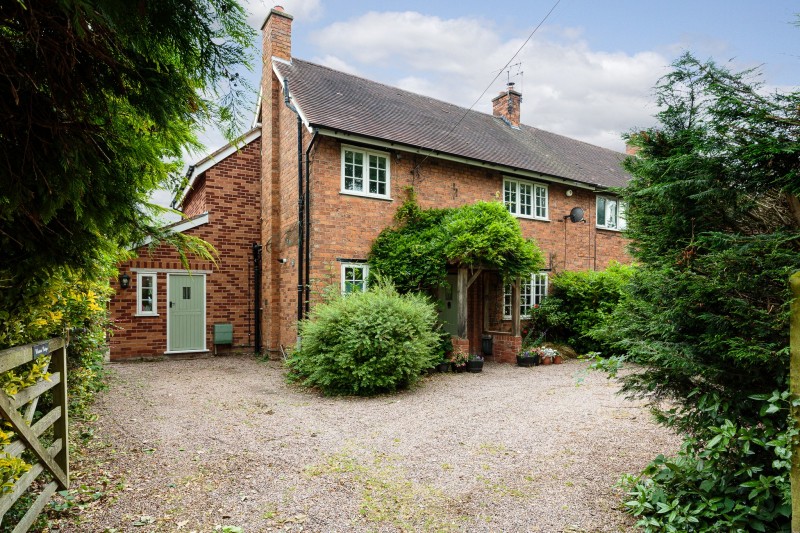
52	457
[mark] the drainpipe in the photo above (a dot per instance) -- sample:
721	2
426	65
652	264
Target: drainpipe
257	292
308	223
300	201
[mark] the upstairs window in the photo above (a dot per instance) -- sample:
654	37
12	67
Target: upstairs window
610	213
146	294
525	199
354	277
365	173
531	294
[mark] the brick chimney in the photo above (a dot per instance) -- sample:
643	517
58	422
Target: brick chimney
277	35
506	105
631	149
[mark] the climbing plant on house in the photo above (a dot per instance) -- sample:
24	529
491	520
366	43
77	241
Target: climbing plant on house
715	220
416	252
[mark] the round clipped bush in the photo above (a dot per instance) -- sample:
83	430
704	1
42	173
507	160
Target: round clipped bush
366	343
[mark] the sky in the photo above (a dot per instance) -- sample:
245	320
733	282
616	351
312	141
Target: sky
588	72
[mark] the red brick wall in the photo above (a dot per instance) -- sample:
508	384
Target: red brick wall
232	192
506	347
344	226
279	213
194	203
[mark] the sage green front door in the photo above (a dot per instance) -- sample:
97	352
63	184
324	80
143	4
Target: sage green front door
448	305
186	313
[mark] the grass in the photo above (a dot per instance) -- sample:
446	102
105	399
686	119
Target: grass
389	497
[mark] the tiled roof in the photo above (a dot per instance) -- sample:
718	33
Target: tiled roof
338	101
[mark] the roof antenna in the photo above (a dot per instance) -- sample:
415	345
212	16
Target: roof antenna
519	72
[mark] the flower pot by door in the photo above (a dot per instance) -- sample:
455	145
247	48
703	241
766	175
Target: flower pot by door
558	359
547	360
528	361
475	366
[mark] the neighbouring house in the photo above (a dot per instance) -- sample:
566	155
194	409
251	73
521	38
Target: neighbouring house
294	205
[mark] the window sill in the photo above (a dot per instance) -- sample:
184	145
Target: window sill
616	230
146	314
366	195
521	317
523	217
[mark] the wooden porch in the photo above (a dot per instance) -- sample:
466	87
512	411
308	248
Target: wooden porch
480	301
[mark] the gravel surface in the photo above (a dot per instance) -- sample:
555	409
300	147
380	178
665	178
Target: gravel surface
196	444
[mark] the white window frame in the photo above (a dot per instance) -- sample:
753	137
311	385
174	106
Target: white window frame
364	281
613	206
532	292
538	194
139	286
365	173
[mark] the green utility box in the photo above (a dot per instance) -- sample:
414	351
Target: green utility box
223	334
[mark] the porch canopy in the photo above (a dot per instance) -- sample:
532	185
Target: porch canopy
466	277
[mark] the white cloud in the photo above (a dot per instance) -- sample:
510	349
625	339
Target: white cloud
567	87
258	10
336	64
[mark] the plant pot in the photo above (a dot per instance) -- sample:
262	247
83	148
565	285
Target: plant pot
475	366
528	361
547	360
459	368
558	359
443	367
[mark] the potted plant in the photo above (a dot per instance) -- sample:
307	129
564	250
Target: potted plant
445	349
547	354
459	360
475	364
528	357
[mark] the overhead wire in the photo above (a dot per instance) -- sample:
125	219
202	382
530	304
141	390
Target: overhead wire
464	115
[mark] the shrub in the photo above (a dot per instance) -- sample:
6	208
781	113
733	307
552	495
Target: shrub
578	303
712	221
738	480
367	343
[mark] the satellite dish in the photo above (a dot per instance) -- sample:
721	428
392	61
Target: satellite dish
576	215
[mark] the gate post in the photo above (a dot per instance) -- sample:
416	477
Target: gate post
794	394
60	426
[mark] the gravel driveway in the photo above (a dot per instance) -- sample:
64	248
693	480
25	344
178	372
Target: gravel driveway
192	445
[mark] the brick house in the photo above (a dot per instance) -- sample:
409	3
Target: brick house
295	205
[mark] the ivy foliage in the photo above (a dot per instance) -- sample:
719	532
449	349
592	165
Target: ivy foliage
715	221
417	251
367	343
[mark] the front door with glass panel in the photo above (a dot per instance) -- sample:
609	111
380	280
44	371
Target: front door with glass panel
448	305
186	313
